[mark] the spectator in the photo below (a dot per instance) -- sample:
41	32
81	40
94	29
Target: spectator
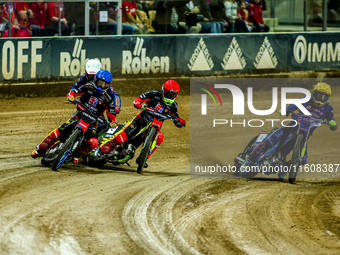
145	6
316	19
39	15
130	10
182	8
166	19
52	19
208	24
25	15
334	11
242	25
255	16
16	29
231	13
107	24
218	13
264	5
112	23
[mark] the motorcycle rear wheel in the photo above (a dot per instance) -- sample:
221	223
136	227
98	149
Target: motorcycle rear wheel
146	149
296	158
65	150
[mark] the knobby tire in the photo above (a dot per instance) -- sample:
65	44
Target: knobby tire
146	149
296	158
67	144
247	150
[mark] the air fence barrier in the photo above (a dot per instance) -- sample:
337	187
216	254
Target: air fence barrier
130	57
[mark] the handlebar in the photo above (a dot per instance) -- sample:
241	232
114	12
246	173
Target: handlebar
154	111
85	109
302	115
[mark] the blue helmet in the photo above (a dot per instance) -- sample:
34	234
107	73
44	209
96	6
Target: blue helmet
104	75
103	80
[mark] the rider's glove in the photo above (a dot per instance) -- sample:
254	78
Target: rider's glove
287	113
332	125
138	103
71	99
113	124
179	122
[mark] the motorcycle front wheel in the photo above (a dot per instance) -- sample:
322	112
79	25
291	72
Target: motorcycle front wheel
65	150
246	152
146	149
296	158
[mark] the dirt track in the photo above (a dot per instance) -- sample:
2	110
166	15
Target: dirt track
82	210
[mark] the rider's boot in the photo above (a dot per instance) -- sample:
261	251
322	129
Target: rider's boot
37	152
76	157
46	143
75	160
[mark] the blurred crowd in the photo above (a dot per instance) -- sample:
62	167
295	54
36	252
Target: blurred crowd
144	17
25	19
316	13
22	19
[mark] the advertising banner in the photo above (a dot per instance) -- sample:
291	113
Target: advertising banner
314	51
25	59
29	59
220	54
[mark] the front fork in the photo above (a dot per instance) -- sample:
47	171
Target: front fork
154	143
304	148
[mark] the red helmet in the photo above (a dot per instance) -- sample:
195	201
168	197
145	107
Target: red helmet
170	91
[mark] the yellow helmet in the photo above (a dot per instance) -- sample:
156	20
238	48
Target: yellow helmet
321	93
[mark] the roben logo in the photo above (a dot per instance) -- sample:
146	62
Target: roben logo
141	63
315	52
76	66
239	102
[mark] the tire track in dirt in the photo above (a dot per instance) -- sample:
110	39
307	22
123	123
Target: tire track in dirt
263	218
82	210
156	235
47	225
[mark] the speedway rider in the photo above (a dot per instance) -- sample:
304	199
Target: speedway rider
96	97
161	100
318	106
92	66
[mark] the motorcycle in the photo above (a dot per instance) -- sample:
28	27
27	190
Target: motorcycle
51	154
274	159
62	151
123	153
